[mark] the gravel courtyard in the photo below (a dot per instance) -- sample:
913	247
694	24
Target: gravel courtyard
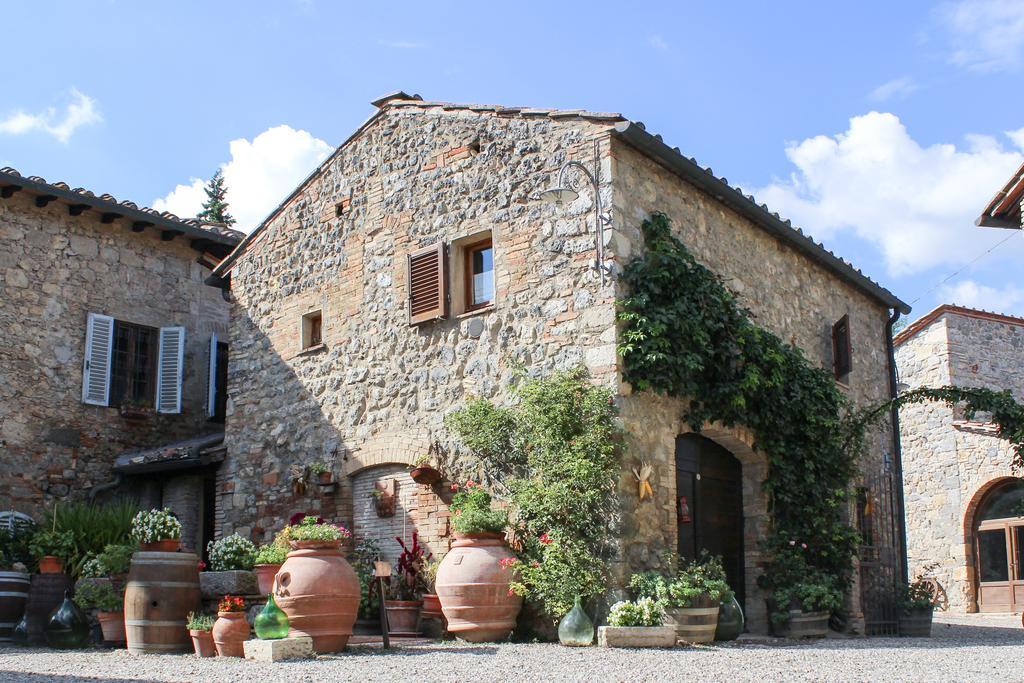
976	648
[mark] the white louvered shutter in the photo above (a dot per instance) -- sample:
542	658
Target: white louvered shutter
211	382
99	342
169	370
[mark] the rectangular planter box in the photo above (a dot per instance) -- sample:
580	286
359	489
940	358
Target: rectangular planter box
215	585
636	636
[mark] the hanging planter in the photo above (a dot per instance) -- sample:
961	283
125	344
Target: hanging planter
423	472
384	495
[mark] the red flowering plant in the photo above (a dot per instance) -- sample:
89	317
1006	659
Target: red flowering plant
231	603
410	582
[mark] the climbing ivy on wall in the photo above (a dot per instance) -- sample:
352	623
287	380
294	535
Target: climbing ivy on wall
686	335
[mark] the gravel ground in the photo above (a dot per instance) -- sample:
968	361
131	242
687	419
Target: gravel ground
978	648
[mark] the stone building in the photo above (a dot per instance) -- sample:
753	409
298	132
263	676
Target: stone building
965	512
106	331
415	268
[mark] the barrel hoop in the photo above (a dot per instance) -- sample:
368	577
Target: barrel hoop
7	624
167	561
162	584
12	594
154	622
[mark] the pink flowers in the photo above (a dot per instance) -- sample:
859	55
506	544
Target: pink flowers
455	487
545	539
507	562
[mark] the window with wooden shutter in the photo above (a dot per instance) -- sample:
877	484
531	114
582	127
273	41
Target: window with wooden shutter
842	357
99	341
428	284
169	369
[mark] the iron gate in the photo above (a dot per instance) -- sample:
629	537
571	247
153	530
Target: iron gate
880	552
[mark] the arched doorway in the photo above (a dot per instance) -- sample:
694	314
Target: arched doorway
999	548
709	505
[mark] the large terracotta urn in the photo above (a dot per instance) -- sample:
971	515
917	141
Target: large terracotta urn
473	588
230	631
319	592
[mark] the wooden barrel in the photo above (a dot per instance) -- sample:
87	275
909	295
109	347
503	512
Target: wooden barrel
694	624
916	623
162	589
45	594
13	597
803	625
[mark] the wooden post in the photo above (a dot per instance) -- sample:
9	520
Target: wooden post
381	571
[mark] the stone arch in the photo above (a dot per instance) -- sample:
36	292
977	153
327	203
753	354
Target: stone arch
396	448
970	584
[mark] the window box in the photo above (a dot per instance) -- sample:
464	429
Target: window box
135	413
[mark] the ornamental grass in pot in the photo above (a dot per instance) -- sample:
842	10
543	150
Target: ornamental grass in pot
636	624
157	530
200	628
231	628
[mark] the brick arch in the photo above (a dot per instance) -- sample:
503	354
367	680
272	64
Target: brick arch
387	449
969	524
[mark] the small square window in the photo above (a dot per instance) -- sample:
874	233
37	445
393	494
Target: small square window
312	329
479	269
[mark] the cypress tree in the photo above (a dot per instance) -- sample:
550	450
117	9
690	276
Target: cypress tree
215	208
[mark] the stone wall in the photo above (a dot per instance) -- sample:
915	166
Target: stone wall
54	270
787	293
948	465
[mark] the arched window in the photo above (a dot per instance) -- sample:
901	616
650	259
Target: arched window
1007	500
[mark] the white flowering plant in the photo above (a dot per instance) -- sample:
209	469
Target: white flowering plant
150	526
642	612
230	553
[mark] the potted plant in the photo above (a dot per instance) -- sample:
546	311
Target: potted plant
109	605
316	588
636	624
200	627
267	562
115	560
692	599
231	629
51	548
473	573
321	471
157	530
423	472
230	568
916	604
362	558
801	608
403	609
431	616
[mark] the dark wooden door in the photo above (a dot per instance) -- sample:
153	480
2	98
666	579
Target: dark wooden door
709	505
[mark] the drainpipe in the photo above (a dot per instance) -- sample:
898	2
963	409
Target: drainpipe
894	412
102	488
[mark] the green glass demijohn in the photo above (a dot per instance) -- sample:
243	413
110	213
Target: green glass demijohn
67	627
271	623
730	620
19	636
576	629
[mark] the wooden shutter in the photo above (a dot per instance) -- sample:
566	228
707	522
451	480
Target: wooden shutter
842	355
169	369
428	284
211	380
99	342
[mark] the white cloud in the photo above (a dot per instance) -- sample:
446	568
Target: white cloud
916	204
897	87
79	112
402	44
1008	300
986	35
659	43
259	175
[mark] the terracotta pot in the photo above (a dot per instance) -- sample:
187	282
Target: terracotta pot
112	625
319	592
403	617
431	606
324	477
474	589
162	589
202	641
229	632
50	564
426	475
265	574
169	545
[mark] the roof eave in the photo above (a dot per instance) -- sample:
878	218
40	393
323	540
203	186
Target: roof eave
653	147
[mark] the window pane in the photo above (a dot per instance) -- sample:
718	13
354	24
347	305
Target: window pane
992	552
133	364
483	276
1018	546
1005	501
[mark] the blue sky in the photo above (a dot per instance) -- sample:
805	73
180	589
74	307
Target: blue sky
881	128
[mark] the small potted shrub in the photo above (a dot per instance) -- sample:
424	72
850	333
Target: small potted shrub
321	471
230	568
403	609
423	471
231	629
109	606
157	530
115	561
200	628
801	608
693	598
267	563
51	548
362	558
916	608
636	624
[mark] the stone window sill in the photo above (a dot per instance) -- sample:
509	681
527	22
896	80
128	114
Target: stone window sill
477	311
312	350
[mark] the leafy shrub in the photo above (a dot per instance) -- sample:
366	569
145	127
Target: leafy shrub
649	585
98	595
116	559
150	526
918	593
697	580
230	553
93	569
362	557
199	622
472	513
57	543
92	527
309	529
15	537
271	553
642	612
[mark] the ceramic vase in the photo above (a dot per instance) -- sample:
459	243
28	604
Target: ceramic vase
229	632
